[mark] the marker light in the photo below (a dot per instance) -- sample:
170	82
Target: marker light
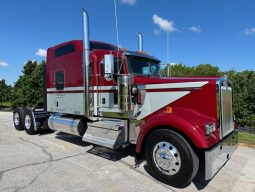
169	110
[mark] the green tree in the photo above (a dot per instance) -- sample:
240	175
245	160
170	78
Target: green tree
181	70
28	90
243	96
5	92
207	70
177	70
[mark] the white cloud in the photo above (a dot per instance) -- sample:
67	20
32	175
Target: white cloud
41	53
196	29
249	31
3	64
128	2
163	24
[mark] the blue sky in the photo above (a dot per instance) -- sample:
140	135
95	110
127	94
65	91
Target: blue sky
219	32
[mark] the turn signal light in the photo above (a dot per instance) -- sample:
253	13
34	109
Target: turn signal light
169	110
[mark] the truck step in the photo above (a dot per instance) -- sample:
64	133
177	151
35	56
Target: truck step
109	133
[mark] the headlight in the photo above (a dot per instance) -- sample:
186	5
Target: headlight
210	128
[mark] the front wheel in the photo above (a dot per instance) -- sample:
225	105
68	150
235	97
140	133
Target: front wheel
170	158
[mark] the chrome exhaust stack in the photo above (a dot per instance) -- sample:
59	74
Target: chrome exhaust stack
85	61
140	42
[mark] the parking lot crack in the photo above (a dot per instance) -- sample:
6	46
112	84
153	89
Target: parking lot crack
34	179
40	163
1	176
49	160
9	188
41	147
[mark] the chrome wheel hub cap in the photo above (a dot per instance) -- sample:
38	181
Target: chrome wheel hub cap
167	158
16	119
27	122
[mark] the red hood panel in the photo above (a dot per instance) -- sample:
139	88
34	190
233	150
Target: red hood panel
160	80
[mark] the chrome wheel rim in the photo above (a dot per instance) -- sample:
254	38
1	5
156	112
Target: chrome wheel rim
16	119
27	122
167	158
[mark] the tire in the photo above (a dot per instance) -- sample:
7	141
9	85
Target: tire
170	158
18	118
29	123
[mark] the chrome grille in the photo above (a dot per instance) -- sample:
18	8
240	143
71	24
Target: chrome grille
224	107
227	124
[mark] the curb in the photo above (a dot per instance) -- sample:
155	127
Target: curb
246	145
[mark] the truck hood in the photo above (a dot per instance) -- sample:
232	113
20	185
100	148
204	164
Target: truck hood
161	80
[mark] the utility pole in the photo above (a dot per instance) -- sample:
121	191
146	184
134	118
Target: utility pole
168	70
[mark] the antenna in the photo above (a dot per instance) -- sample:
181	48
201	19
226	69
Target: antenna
167	55
117	35
116	24
153	44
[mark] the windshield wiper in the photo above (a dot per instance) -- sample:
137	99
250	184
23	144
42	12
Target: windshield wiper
150	68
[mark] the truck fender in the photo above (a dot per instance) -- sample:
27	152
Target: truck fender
173	122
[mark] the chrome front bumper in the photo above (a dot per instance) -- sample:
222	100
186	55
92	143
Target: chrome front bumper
216	157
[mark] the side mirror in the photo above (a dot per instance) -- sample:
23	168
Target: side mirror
108	64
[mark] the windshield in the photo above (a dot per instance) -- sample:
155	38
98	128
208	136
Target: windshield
143	66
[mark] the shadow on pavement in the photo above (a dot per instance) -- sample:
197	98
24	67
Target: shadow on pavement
42	132
71	139
150	172
109	154
199	181
113	154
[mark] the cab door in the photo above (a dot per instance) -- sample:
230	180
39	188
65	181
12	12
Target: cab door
59	83
107	88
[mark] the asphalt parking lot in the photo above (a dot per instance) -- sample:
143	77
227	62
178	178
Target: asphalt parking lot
52	161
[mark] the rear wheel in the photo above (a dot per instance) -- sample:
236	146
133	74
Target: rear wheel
170	158
18	118
29	123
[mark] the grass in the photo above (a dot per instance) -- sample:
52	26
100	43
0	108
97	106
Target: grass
7	104
244	137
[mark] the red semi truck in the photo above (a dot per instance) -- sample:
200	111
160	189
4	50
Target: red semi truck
113	98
